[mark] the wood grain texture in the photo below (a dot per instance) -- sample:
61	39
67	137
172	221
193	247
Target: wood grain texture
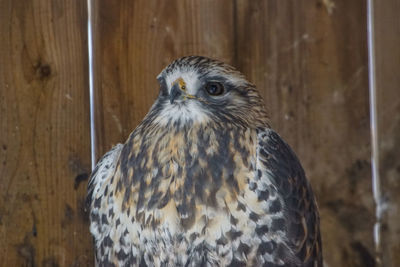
309	60
387	55
135	40
44	137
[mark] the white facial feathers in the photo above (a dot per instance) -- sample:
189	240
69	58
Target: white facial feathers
190	77
191	111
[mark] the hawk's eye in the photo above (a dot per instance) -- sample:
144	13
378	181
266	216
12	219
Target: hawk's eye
214	88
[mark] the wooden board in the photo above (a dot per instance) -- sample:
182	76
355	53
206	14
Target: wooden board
387	54
44	137
309	60
135	40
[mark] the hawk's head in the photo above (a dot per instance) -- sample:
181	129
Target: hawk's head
197	89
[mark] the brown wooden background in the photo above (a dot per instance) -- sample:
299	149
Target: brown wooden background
308	59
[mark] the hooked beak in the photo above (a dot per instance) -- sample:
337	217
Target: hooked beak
175	93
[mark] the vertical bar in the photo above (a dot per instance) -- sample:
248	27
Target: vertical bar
91	89
376	187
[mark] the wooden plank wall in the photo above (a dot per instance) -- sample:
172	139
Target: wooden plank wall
307	58
44	136
387	54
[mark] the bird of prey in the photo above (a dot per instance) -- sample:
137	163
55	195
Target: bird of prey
203	181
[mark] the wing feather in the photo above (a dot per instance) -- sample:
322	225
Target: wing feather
103	170
300	221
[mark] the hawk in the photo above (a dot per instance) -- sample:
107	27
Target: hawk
203	181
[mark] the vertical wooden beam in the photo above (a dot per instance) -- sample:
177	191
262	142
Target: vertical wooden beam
309	60
387	58
44	137
135	40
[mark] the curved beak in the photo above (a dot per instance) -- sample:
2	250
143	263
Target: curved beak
175	93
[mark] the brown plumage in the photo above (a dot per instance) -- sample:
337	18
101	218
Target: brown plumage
203	181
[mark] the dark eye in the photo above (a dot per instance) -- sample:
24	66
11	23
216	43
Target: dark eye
214	88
